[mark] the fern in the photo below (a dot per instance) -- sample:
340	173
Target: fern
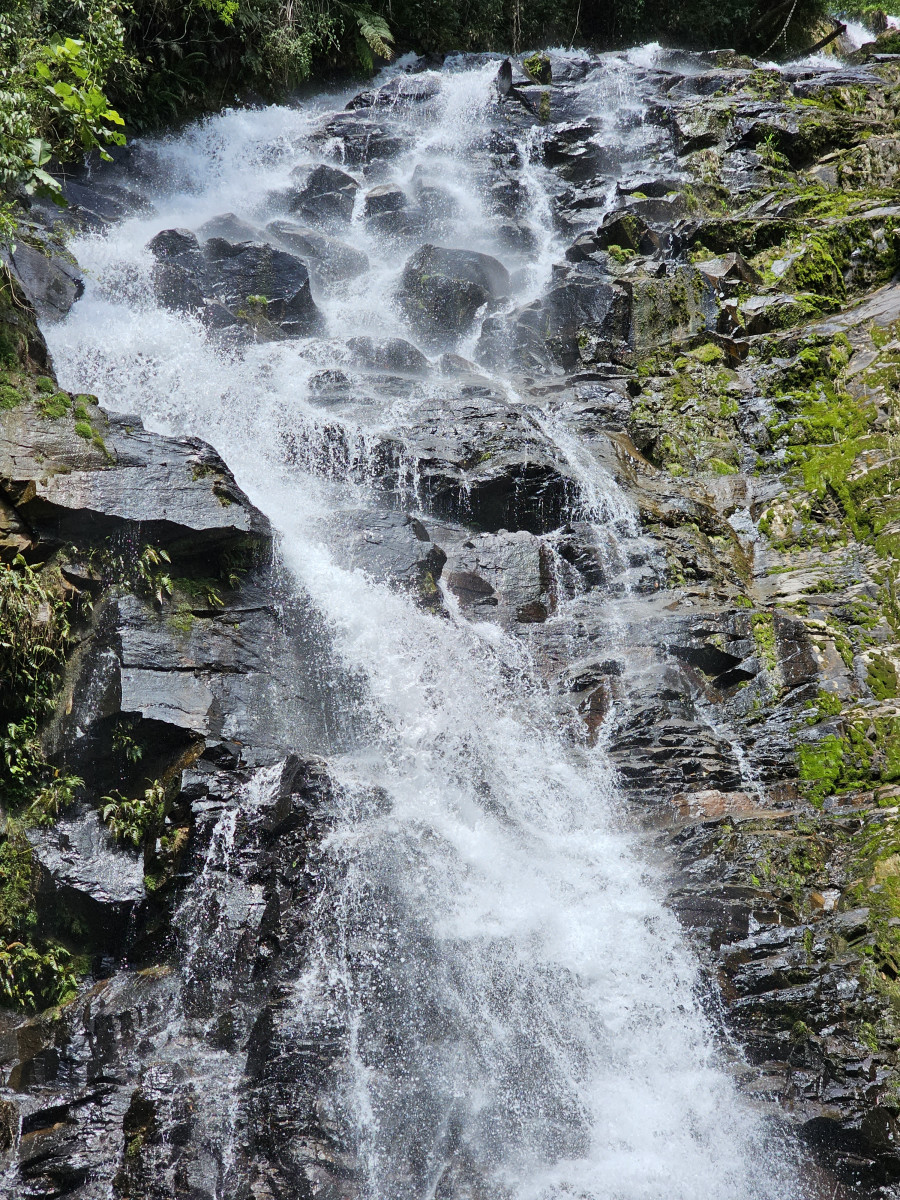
374	29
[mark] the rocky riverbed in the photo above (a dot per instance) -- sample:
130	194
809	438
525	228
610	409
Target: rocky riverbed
716	353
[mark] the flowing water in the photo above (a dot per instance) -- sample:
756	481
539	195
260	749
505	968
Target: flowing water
520	1014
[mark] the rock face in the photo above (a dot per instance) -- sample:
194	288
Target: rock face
722	341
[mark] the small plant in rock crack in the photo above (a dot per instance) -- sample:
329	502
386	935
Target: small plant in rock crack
768	151
152	574
129	820
124	742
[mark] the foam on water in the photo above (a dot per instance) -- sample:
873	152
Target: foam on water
522	1017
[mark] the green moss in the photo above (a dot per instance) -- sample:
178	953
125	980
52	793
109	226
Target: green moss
820	766
763	629
718	467
622	254
45	384
709	352
54	406
83	429
881	676
182	620
826	704
9	346
9	398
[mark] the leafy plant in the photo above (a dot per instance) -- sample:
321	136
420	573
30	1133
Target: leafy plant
34	636
152	575
124	742
52	98
131	820
31	978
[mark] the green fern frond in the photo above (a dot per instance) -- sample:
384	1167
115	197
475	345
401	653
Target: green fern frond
374	29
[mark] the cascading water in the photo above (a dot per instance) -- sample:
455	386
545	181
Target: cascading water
519	1014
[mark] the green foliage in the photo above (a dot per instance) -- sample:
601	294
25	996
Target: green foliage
17	884
32	978
124	742
52	98
152	577
131	820
34	635
763	627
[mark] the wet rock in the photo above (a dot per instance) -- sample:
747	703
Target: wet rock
395	354
506	577
327	196
239	275
239	272
385	198
229	226
87	878
401	90
177	489
482	461
362	142
174	288
51	281
442	289
402	224
173	243
328	259
398	548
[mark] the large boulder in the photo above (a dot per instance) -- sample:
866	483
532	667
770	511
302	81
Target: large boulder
327	196
245	270
387	197
229	225
442	289
249	279
395	354
51	281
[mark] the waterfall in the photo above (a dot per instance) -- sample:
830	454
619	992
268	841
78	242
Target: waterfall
520	1015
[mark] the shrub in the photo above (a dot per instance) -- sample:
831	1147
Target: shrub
130	821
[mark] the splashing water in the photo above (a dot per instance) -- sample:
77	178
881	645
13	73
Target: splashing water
520	1014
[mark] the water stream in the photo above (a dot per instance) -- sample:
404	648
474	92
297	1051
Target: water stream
520	1013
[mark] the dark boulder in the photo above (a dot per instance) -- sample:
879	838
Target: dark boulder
175	288
403	224
328	195
396	547
363	142
230	226
387	197
442	289
401	90
52	282
246	270
173	243
242	276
